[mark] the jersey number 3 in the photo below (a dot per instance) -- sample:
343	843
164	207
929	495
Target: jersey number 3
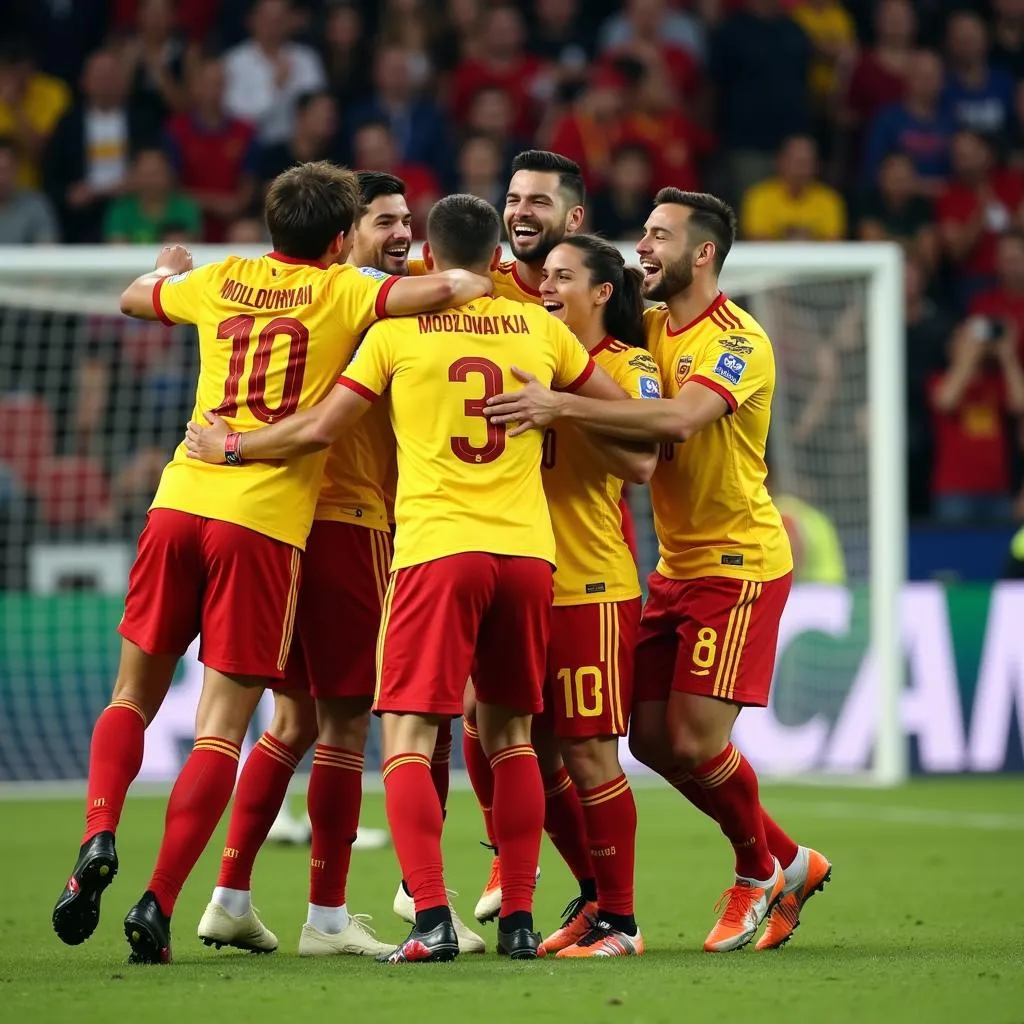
238	329
458	373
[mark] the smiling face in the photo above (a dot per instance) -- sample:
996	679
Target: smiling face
567	291
537	215
666	253
382	235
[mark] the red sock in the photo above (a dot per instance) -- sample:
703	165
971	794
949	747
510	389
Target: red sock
779	842
481	778
440	763
414	815
200	794
262	787
333	801
115	758
730	786
564	824
610	814
518	824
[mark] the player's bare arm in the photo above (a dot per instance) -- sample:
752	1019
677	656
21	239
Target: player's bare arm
436	291
301	434
137	298
674	420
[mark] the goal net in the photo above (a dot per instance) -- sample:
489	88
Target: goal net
92	404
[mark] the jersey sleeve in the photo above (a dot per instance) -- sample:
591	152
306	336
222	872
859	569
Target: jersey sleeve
637	374
573	364
734	367
179	299
369	372
361	294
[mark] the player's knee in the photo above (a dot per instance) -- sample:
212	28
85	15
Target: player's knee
343	724
469	704
592	762
691	747
647	746
294	722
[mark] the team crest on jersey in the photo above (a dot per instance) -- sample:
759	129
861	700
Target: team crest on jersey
649	387
683	369
645	362
740	346
177	278
730	367
377	275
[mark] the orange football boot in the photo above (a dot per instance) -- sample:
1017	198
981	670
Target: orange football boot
578	918
604	940
808	875
746	905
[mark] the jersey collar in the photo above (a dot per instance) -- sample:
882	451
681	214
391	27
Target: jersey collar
522	285
720	301
281	258
604	343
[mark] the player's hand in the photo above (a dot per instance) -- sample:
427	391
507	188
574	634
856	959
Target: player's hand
532	407
175	258
206	443
469	286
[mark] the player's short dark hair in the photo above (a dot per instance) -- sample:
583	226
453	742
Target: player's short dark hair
463	230
570	179
308	206
711	217
373	185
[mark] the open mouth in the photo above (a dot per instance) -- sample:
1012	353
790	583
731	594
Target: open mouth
525	232
397	252
650	268
552	306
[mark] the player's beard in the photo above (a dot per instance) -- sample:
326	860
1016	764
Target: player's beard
541	248
675	278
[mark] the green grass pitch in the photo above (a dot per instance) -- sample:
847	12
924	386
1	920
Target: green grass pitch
923	921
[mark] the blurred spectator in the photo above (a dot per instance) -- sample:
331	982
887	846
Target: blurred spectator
1013	144
760	62
314	136
26	216
373	149
347	53
834	41
979	203
1008	36
459	34
246	231
971	402
70	30
647	19
794	204
268	72
481	171
409	25
225	187
879	74
894	211
196	19
928	330
917	126
977	95
562	34
87	160
491	115
417	124
1005	302
31	104
157	60
619	210
502	63
153	208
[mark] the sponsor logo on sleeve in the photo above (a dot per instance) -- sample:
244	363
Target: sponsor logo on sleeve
740	346
177	278
683	369
649	387
730	367
377	275
644	362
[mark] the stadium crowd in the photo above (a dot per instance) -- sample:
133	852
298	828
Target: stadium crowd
149	121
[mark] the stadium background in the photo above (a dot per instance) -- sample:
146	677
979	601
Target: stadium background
146	122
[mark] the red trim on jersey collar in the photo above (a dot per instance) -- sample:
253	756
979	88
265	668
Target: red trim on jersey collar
719	302
281	258
535	292
606	342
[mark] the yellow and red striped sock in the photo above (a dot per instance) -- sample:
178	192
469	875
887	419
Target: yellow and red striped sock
481	778
333	799
115	759
564	824
518	824
610	814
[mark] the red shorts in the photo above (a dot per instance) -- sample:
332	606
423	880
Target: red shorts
231	586
589	686
344	579
712	636
473	610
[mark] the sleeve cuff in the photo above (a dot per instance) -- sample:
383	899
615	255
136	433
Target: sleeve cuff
719	389
158	305
581	379
360	389
382	297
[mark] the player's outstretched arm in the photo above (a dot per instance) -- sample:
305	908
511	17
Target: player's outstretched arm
435	291
137	298
305	432
663	419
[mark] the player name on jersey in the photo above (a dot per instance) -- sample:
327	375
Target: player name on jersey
468	323
265	298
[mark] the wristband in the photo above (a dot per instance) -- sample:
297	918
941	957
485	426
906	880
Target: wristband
233	449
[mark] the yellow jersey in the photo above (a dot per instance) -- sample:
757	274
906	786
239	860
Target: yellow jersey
273	334
826	25
463	484
594	563
712	511
771	212
509	285
43	104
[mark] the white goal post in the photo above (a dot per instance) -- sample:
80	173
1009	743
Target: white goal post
835	315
